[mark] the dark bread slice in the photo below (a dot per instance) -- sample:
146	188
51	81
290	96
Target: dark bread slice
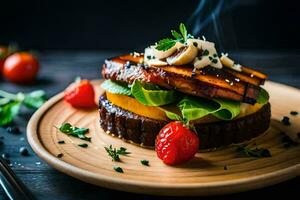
143	130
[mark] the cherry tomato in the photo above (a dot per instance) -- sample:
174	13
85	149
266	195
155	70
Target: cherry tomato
21	68
80	94
176	143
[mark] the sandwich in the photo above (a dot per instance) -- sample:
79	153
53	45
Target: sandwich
183	79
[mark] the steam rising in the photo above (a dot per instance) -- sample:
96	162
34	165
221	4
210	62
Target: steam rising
205	20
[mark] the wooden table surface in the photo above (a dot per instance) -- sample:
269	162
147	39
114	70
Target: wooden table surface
59	68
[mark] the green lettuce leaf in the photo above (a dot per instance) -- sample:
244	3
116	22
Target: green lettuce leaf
171	113
228	109
152	95
194	108
116	88
263	96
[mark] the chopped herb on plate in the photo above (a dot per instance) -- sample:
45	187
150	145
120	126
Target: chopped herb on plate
118	169
115	153
145	162
256	152
122	151
294	113
68	129
83	145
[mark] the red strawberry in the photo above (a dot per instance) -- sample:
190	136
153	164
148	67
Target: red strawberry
80	94
176	144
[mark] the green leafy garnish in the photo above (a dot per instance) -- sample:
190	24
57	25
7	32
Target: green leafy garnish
83	145
152	95
256	152
145	162
183	31
10	104
165	44
194	108
176	35
118	169
115	153
68	129
122	151
116	88
263	96
168	43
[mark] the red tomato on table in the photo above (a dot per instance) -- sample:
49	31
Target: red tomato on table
21	68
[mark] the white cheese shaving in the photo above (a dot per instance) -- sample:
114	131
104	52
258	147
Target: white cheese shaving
237	67
203	62
156	62
211	59
227	62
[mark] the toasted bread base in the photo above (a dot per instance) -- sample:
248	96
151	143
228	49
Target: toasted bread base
142	130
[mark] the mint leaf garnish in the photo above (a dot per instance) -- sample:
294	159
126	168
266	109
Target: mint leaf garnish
183	31
168	43
165	44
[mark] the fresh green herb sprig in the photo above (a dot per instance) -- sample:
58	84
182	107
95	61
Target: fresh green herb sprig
68	129
145	162
83	145
118	169
181	37
115	153
256	152
10	104
122	151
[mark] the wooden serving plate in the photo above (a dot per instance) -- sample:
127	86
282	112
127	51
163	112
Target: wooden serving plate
206	174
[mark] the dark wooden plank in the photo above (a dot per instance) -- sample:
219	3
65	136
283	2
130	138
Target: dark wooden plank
60	68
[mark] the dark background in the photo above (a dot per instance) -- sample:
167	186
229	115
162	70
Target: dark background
128	25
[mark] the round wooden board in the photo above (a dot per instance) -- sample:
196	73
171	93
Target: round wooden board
204	175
